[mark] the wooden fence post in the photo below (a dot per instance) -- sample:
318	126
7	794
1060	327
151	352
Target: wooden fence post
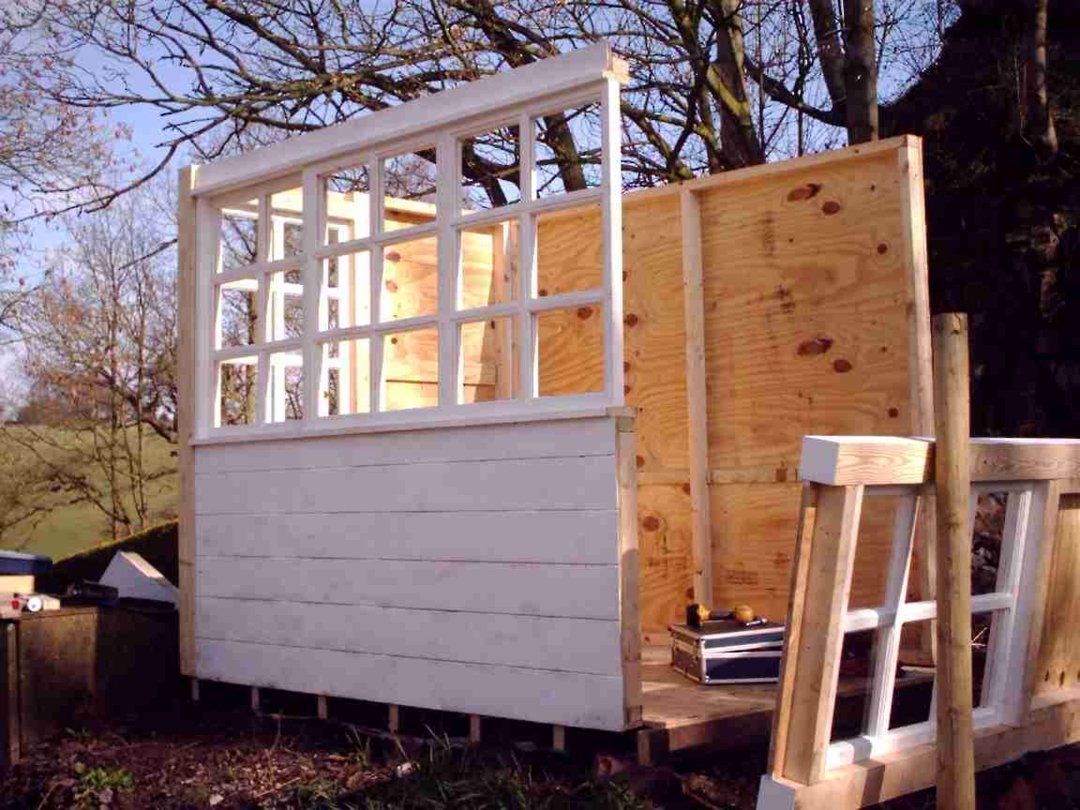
952	475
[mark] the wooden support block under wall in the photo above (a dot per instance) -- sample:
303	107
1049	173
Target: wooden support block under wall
320	707
474	729
393	718
558	738
194	690
255	699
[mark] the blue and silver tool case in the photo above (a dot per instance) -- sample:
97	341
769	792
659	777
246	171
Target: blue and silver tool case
727	651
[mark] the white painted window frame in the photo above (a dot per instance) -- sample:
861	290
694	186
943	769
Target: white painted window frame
444	120
1010	602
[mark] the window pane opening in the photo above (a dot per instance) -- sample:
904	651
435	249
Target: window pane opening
239	238
347	201
237	313
409	190
569	251
488	256
568	151
491	169
410	370
913	688
488	360
347	290
346	385
570	351
286	223
987	540
285	394
238	387
410	279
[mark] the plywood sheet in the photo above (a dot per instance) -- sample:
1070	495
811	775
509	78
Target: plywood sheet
806	309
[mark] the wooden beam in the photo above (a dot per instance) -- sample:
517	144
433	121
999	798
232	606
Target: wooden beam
474	729
892	460
818	606
800	569
568	73
255	703
393	718
1055	721
952	473
629	568
558	739
185	416
696	397
321	708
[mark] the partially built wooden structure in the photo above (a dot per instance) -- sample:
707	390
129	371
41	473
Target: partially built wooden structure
1027	693
463	423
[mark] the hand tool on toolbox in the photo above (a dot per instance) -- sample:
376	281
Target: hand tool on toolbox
697	614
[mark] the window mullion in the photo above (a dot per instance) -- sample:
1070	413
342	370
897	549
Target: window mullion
888	637
527	361
375	348
446	205
263	326
611	218
310	274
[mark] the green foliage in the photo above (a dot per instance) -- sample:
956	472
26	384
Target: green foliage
458	777
97	781
64	523
157	545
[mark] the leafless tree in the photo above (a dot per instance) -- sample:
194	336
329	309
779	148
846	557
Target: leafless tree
98	340
716	84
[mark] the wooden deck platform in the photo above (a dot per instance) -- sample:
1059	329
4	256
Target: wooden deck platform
679	714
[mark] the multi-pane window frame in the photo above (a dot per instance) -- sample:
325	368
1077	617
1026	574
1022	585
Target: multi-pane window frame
450	222
1006	648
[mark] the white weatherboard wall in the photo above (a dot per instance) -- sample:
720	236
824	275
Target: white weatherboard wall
470	569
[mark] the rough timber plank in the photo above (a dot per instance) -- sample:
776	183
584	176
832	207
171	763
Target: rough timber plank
1059	650
185	415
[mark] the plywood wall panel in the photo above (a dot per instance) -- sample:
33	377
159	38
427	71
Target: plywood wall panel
805	310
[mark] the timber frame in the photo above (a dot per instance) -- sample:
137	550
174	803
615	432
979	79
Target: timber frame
664	468
1029	696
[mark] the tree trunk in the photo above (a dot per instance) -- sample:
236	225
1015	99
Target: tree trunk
1038	123
860	71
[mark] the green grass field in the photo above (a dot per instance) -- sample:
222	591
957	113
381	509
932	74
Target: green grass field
66	525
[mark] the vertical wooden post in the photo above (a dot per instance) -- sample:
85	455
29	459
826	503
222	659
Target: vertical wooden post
697	415
952	476
187	293
811	668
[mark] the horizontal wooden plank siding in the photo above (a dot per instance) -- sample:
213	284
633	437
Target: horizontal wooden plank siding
515	588
537	642
545	696
574	536
547	483
472	569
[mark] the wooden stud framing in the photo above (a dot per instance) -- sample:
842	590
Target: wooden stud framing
696	397
474	728
812	666
558	739
187	286
393	718
321	707
629	569
952	477
256	706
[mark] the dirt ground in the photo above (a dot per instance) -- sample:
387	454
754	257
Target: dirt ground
224	757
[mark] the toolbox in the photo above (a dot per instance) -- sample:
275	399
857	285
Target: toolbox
728	651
